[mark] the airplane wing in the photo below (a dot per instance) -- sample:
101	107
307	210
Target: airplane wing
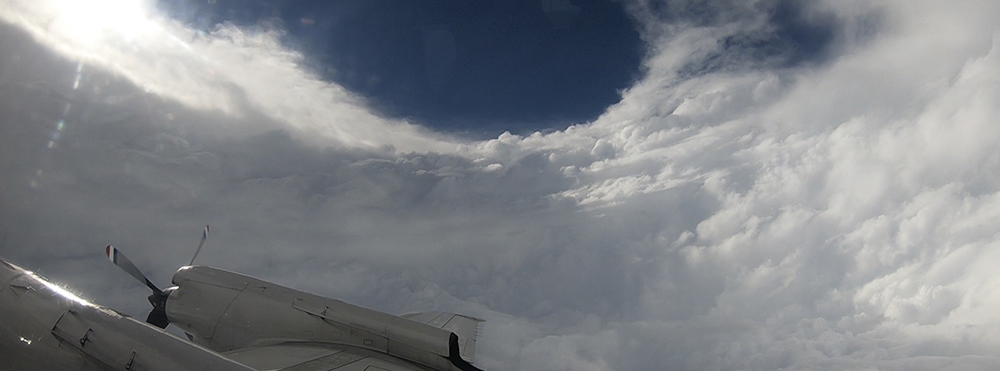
46	327
53	329
467	328
310	356
257	326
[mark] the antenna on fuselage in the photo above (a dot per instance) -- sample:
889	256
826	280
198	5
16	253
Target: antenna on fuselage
204	236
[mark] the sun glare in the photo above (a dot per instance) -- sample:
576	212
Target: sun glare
94	20
59	290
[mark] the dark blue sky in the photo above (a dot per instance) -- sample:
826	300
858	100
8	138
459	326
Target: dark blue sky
478	68
474	68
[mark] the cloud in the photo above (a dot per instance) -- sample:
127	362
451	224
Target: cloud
220	70
739	208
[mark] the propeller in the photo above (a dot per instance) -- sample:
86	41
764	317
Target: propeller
204	236
158	299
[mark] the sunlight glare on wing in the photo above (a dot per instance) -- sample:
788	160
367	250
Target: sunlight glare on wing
61	291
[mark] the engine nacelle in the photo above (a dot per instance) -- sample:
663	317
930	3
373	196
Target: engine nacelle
224	310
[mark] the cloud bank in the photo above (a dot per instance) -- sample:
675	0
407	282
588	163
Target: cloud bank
741	207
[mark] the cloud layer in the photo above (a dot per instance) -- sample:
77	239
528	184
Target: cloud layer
739	208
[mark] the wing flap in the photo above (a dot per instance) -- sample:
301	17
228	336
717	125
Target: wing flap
466	327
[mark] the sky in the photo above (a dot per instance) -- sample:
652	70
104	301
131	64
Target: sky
684	185
473	68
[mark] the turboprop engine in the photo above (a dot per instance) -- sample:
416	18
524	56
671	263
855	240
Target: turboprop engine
224	310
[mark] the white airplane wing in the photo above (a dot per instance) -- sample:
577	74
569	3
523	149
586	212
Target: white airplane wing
256	325
46	327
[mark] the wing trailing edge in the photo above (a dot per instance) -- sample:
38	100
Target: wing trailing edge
466	327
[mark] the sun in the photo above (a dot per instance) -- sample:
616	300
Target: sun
93	20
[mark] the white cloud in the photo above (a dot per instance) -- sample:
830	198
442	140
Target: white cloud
241	72
838	214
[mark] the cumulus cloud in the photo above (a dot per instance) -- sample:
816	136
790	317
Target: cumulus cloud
741	207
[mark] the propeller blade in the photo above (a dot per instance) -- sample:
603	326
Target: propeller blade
204	236
158	299
126	265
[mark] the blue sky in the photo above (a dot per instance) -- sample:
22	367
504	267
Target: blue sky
762	185
473	68
479	69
